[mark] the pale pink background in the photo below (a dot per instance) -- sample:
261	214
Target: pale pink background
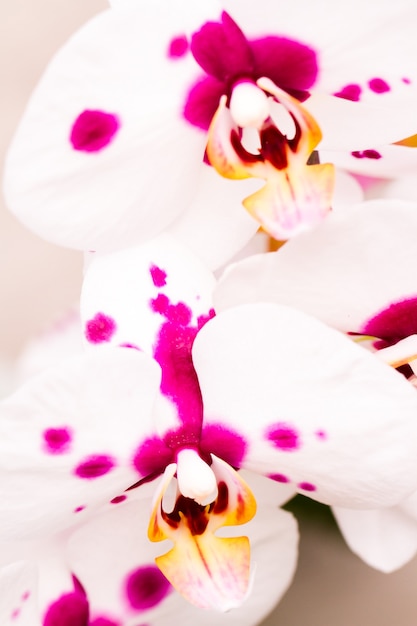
38	281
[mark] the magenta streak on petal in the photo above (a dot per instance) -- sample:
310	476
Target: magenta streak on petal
78	509
406	81
178	47
118	499
70	609
279	478
227	56
379	85
284	437
146	587
94	466
366	154
100	329
321	434
172	350
93	130
158	275
307	486
350	92
25	596
57	440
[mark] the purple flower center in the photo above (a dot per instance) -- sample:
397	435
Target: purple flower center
228	57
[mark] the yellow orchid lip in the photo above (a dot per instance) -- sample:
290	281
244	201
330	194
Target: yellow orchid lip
296	196
210	572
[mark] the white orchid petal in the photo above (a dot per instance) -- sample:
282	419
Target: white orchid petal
312	408
385	539
347	270
143	169
69	438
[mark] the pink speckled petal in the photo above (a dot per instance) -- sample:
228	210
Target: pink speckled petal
18	601
380	161
316	410
126	557
369	251
68	438
385	539
129	288
370	46
103	156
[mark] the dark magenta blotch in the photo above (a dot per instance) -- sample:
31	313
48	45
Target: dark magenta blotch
366	154
228	57
146	587
350	92
100	328
118	499
284	437
279	478
70	609
224	443
378	85
57	440
158	275
178	47
307	486
94	466
93	130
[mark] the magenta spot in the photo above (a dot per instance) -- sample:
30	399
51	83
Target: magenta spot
159	276
152	457
100	329
307	486
321	434
350	92
406	81
25	596
224	443
57	440
146	587
160	304
93	130
118	499
103	621
279	478
366	154
284	437
78	509
378	85
94	466
178	47
226	55
70	609
15	614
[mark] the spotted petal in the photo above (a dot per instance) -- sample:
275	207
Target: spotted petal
310	407
95	161
68	439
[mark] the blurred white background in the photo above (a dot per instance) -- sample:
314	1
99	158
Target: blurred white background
39	281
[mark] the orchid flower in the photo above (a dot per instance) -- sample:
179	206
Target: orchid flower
111	147
259	387
356	273
73	526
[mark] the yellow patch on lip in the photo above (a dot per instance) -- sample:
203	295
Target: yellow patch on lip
210	572
296	196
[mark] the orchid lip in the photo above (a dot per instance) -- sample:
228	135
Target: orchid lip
209	571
